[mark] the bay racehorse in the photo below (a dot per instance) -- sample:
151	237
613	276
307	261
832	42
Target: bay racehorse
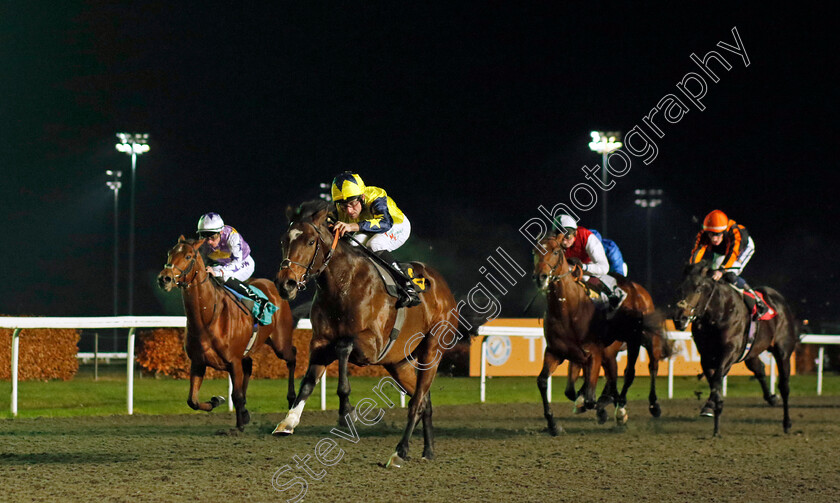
352	318
720	327
219	329
578	332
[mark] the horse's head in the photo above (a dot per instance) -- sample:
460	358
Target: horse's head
183	265
305	246
549	262
694	293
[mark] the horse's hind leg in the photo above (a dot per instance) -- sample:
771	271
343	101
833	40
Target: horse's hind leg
756	366
344	347
428	433
653	370
550	362
629	373
196	378
609	395
783	363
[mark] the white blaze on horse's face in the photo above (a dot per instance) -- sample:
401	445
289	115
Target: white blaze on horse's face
294	234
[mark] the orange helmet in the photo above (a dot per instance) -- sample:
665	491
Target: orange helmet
716	221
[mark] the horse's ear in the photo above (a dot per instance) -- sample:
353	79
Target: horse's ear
181	238
319	217
292	212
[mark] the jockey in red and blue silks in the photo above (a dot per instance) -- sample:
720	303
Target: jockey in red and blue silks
580	243
228	256
728	246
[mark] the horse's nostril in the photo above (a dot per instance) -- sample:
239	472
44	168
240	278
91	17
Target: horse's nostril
289	285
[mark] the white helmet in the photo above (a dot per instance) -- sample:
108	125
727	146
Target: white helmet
565	224
210	223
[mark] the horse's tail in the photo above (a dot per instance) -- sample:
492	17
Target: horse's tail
653	324
469	319
300	311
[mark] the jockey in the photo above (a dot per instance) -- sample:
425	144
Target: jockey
229	256
582	244
383	227
729	247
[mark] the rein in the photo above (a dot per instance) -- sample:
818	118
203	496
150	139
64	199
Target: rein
307	274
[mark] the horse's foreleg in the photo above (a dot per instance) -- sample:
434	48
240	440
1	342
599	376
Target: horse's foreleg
717	396
653	370
287	353
240	371
609	395
550	362
307	385
291	363
344	347
571	378
196	378
756	366
592	370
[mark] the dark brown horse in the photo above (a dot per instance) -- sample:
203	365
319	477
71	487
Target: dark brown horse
352	317
219	329
720	326
576	331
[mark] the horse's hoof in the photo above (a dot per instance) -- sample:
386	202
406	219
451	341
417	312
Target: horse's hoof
654	409
621	416
395	461
283	430
555	431
428	456
246	418
578	410
602	416
707	412
216	401
773	400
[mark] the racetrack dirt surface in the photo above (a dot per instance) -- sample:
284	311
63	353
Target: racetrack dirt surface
484	453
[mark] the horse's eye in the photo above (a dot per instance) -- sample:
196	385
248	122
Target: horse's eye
312	242
556	252
188	257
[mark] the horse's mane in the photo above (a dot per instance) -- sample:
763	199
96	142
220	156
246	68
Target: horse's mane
307	210
696	269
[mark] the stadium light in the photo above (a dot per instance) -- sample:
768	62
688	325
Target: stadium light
115	184
648	199
604	144
133	145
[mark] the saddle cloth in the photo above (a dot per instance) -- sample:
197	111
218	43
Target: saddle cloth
268	308
769	315
420	283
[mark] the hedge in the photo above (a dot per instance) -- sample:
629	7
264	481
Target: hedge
162	353
45	353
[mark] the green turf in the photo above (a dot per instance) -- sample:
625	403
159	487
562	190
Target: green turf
84	396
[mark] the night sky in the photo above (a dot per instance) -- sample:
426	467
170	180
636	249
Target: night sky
469	116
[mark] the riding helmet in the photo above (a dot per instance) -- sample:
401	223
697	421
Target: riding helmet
210	223
716	221
347	185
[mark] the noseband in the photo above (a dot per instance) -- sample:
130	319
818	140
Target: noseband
307	274
693	314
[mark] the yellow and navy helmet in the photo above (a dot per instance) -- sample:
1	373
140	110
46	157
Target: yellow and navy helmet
347	185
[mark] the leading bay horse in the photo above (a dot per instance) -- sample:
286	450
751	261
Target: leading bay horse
720	326
576	331
352	317
219	329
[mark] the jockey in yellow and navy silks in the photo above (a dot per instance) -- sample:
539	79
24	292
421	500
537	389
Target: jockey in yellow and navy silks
728	247
383	227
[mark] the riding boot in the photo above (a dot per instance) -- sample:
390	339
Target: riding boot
242	289
408	294
760	307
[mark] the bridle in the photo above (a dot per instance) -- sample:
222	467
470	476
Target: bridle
693	313
308	274
554	277
183	272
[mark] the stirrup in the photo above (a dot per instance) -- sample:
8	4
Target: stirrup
408	298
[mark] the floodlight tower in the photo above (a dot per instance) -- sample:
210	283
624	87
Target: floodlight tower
604	144
133	145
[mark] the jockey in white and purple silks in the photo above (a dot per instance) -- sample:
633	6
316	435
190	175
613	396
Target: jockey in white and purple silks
229	256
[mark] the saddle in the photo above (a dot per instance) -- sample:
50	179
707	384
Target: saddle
753	323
